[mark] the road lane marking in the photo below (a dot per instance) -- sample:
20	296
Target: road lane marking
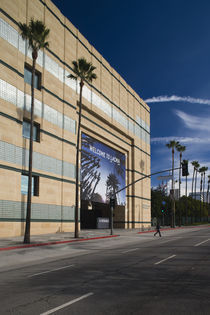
67	304
41	273
159	262
202	242
130	250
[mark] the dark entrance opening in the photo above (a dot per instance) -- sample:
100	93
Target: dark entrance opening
89	217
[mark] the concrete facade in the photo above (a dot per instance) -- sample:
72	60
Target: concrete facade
112	113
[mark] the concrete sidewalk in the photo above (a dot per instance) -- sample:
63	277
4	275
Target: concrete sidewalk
68	237
62	238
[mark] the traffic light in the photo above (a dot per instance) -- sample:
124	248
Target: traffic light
112	202
185	169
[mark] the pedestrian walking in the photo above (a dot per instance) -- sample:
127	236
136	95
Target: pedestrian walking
157	229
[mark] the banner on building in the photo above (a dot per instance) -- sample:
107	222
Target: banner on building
102	172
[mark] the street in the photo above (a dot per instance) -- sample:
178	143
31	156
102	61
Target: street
129	274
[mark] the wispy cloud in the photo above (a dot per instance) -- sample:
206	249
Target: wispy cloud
175	98
194	122
184	140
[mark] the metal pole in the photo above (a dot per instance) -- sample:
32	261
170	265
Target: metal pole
111	233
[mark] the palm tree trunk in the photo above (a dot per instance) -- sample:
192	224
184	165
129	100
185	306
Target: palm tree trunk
180	165
201	193
196	174
173	199
195	195
207	195
30	163
204	193
193	180
76	231
203	187
193	209
208	201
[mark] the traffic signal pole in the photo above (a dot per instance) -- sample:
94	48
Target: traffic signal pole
148	176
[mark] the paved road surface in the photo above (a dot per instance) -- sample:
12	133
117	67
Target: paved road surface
131	274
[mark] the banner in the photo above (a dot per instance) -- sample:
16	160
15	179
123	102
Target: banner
102	172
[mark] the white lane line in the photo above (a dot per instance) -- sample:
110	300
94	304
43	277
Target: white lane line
67	304
41	273
130	250
159	262
202	242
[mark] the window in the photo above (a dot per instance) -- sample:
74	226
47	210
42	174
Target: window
24	185
28	76
27	128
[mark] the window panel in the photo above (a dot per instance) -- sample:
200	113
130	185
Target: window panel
34	188
27	128
28	77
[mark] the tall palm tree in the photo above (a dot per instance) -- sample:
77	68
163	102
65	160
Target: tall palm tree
83	71
207	194
36	34
201	171
172	145
180	148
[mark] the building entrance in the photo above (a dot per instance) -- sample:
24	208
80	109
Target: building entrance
89	216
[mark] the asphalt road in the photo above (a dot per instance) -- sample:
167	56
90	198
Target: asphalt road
132	274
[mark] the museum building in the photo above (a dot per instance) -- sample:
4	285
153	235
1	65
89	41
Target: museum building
115	132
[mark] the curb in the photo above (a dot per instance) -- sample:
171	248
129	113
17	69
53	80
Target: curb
176	228
166	229
55	243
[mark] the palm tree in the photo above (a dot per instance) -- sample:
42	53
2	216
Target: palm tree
36	34
180	148
83	71
207	197
201	171
207	194
172	145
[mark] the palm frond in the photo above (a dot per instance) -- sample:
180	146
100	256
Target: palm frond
71	76
36	33
83	70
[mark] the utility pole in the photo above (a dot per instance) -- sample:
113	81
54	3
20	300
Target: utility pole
112	206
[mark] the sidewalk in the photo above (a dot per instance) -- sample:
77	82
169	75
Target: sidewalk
61	238
68	237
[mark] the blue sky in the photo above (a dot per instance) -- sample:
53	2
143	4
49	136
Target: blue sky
162	49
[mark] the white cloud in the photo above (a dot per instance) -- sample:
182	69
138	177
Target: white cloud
182	140
194	122
175	98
